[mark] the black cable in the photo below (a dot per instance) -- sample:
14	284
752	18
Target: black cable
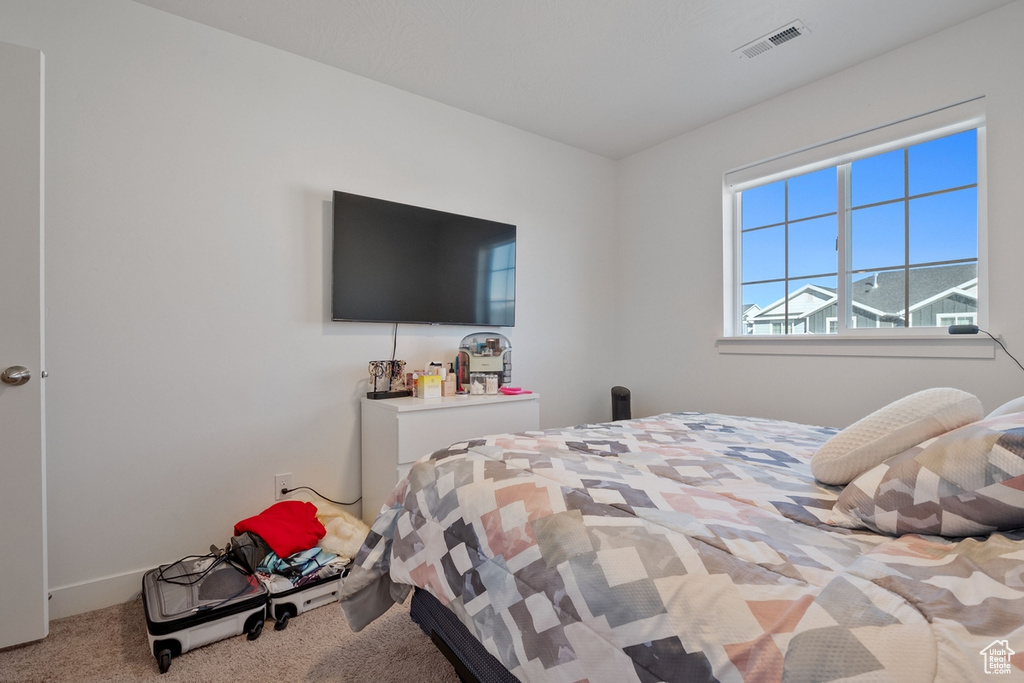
187	578
336	502
974	329
394	348
1004	348
191	578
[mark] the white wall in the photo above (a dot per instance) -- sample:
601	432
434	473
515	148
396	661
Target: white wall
188	186
670	237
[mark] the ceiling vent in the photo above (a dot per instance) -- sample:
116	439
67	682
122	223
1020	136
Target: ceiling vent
792	30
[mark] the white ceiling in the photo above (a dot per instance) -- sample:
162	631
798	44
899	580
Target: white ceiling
608	76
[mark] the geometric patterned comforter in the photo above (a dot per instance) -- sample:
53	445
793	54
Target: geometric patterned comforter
684	547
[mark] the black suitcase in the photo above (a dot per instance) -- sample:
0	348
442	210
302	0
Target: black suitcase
197	601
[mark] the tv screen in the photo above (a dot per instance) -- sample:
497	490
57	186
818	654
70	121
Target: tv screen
406	264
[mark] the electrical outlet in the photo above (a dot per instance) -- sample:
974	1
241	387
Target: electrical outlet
281	481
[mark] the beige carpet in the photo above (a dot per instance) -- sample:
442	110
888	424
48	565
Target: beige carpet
111	645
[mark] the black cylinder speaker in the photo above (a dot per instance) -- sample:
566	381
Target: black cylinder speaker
620	404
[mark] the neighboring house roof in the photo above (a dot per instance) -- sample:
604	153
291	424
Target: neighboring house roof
887	291
821	294
967	290
880	294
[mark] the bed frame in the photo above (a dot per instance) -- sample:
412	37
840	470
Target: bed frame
472	662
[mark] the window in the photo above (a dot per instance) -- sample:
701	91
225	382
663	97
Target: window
788	235
877	236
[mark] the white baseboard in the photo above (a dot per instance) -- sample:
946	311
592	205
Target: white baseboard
87	596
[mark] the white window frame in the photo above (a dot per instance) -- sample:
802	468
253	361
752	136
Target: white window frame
849	340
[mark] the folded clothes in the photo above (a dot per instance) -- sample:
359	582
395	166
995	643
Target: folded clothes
280	583
297	565
288	527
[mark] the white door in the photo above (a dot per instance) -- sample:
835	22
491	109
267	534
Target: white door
23	589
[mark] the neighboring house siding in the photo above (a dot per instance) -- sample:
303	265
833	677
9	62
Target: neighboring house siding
954	303
865	321
818	322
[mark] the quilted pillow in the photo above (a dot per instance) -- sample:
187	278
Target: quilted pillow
891	430
967	482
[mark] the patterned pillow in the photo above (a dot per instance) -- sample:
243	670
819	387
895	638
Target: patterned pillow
891	430
964	483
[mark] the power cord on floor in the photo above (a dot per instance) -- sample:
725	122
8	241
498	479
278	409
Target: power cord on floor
336	502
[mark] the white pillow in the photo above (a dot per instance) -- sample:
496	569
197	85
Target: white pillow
891	430
1013	406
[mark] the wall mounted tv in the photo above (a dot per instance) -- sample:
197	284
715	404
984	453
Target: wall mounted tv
406	264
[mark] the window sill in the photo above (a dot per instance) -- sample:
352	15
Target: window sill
917	346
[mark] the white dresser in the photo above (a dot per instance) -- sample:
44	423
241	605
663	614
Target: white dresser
398	431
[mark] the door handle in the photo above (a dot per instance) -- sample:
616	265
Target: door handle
16	375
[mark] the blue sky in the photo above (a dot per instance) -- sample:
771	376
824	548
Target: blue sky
942	227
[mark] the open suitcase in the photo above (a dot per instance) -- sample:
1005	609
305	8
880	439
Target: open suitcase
197	601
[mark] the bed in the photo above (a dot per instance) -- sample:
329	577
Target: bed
700	547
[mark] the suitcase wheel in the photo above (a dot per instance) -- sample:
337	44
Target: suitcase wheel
163	659
165	651
254	629
283	615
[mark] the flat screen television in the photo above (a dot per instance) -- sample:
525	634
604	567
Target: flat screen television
407	264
